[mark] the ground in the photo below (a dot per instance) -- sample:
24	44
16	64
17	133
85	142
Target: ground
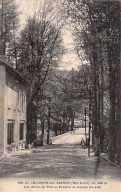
64	160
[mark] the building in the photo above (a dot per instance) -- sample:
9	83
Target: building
13	89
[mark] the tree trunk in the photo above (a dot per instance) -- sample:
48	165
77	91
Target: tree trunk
31	123
48	131
102	132
72	124
1	48
90	119
96	107
112	122
119	94
42	128
72	121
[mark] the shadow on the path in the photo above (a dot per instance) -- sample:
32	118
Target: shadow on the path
59	162
97	164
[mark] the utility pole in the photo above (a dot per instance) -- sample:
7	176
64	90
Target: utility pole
48	121
85	113
89	138
89	122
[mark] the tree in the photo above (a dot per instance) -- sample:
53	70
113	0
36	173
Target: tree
9	20
67	90
97	33
41	48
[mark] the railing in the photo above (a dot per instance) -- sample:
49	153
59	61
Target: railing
56	138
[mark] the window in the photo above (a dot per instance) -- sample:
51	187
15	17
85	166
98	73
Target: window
24	102
19	100
10	132
9	97
21	131
14	99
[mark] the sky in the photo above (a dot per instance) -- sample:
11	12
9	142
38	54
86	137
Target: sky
70	59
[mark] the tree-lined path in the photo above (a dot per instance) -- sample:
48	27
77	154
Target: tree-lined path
73	137
65	160
69	53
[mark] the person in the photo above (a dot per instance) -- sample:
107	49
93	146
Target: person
82	143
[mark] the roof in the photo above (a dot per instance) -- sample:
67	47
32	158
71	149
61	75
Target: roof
14	72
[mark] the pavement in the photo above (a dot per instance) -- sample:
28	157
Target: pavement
72	137
64	160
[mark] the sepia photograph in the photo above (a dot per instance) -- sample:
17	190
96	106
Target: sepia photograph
60	95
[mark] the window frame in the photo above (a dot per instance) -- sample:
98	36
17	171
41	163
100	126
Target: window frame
23	129
10	131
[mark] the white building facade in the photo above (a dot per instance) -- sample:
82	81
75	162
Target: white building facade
13	89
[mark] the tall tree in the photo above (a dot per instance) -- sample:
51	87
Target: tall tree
9	17
97	33
41	47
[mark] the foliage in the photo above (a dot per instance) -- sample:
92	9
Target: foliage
8	24
62	93
40	49
96	25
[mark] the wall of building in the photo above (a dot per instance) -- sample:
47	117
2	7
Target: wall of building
2	106
15	111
